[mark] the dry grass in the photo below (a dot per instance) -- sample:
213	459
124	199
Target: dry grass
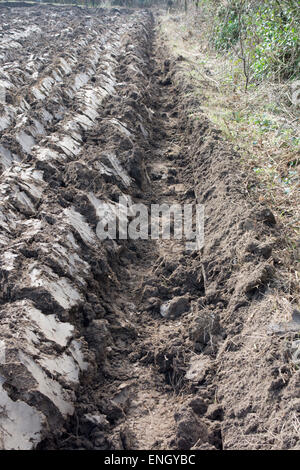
261	124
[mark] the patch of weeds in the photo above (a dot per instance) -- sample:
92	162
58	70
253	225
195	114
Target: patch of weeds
265	124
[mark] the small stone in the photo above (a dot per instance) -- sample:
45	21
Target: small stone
175	307
198	369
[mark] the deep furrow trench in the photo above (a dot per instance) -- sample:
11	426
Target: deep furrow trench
132	343
142	384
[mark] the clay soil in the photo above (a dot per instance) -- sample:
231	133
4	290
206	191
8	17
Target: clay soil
94	107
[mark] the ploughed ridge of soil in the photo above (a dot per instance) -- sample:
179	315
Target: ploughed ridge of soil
92	108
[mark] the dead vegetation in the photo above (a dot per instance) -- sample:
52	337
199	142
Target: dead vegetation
262	124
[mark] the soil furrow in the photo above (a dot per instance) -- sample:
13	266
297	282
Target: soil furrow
134	343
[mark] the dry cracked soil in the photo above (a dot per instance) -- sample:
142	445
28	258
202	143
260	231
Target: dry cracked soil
130	344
